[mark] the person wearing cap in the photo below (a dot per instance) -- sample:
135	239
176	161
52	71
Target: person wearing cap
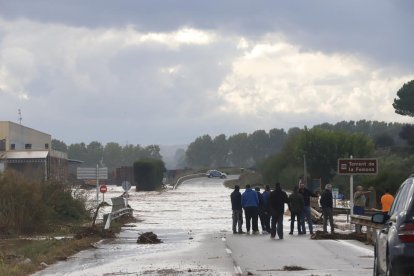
359	204
326	202
250	204
386	201
277	200
236	206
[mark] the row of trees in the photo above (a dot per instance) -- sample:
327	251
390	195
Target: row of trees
241	150
111	155
248	150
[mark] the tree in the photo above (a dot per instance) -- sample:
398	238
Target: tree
407	133
59	145
199	152
112	155
404	105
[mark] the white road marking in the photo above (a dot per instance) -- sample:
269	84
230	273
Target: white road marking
228	251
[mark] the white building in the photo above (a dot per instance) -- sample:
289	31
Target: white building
29	152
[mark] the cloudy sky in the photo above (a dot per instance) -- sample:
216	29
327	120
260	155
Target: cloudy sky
168	71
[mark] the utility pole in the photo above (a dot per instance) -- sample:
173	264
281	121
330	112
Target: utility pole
20	116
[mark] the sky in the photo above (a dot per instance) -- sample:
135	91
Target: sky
168	71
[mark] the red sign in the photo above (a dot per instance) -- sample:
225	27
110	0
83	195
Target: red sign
358	166
103	189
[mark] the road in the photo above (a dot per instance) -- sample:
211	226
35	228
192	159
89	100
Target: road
194	223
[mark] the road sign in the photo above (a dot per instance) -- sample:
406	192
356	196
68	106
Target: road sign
103	189
92	173
126	185
359	166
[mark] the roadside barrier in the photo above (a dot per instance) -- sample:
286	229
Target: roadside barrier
119	209
186	177
372	228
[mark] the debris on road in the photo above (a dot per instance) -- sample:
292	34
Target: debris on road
148	238
320	235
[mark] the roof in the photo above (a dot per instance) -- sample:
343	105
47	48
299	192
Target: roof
33	154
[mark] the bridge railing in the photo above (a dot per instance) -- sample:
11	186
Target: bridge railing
187	177
119	209
372	228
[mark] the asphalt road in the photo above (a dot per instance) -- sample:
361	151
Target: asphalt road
194	223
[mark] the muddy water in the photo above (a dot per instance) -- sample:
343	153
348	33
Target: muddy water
180	218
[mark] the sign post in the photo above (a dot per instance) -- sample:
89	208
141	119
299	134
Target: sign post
93	174
126	185
103	190
358	166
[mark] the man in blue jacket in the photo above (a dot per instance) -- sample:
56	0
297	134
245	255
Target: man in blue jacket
250	203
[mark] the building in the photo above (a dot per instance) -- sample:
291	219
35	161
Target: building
29	152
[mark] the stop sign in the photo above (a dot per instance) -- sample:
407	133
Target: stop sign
103	189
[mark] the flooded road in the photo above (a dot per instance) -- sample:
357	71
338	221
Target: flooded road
194	223
181	218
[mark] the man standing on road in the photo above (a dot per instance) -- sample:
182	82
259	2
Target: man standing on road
306	213
250	204
359	204
266	214
237	210
326	202
261	209
296	204
386	201
277	200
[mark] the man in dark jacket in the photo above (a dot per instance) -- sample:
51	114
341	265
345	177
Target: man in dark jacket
296	204
276	203
326	202
266	214
261	209
250	204
237	210
306	213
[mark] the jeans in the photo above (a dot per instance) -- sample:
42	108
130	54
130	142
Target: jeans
306	213
237	220
358	210
251	214
327	214
277	218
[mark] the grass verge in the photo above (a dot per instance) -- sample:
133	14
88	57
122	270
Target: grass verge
24	256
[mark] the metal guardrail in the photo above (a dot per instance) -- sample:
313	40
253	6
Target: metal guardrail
372	228
186	177
119	209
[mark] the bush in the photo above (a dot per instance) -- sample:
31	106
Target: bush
148	174
28	206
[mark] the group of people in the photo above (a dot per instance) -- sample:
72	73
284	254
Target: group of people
269	207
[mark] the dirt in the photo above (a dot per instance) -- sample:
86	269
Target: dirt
148	238
93	232
320	235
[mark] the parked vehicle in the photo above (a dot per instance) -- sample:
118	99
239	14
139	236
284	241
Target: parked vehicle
216	173
394	247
